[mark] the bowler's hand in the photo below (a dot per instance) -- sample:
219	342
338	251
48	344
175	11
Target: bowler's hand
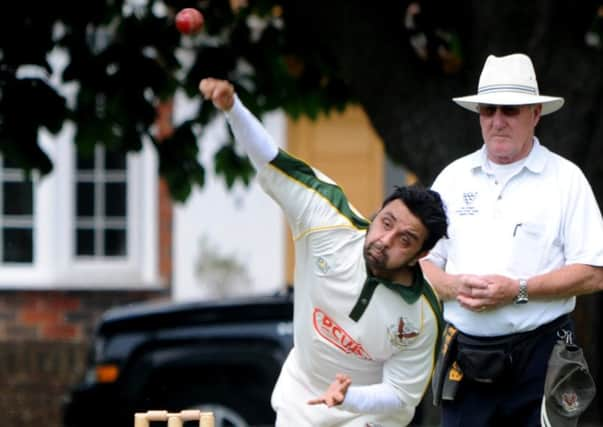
220	92
335	393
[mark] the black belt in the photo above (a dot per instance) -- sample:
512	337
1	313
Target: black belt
511	340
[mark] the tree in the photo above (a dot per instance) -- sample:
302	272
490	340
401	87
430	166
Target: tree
307	57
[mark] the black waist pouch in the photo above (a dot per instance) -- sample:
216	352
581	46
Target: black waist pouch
441	384
488	360
482	362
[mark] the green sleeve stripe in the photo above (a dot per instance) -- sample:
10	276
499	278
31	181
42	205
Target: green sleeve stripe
303	173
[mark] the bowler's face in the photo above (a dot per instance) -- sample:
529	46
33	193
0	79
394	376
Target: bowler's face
508	131
394	240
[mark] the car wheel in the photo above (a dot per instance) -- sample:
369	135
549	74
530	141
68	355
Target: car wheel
223	415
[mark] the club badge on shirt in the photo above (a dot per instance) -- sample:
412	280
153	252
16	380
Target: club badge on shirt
468	206
403	333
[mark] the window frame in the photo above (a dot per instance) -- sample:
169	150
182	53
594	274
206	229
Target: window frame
99	222
55	265
18	221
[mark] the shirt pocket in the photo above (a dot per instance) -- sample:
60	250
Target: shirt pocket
527	248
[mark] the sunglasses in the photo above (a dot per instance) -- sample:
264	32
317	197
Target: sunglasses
488	110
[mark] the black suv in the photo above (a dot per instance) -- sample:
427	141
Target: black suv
222	356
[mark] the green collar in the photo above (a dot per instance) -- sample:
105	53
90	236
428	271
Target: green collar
410	294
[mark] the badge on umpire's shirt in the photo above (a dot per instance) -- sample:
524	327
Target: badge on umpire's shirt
468	205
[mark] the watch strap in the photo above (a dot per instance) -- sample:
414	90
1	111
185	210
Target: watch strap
522	295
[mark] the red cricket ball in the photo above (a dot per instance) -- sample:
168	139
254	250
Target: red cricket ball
189	21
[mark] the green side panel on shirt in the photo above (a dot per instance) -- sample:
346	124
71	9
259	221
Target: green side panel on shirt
436	306
434	302
303	173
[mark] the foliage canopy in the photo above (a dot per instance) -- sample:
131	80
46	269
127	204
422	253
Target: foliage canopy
402	61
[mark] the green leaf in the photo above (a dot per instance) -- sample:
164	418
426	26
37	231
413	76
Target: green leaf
232	166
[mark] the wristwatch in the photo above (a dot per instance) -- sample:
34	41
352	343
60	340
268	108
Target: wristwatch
522	296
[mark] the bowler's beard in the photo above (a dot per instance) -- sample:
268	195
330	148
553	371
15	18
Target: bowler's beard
375	257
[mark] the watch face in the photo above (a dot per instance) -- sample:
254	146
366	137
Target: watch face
522	296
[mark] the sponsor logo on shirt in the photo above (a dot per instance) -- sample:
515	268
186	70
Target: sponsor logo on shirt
468	207
336	335
322	265
401	335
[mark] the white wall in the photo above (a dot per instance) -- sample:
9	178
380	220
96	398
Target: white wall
243	226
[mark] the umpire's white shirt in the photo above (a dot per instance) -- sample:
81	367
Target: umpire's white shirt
542	218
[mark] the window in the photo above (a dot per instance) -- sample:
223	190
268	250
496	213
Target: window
91	223
16	220
101	205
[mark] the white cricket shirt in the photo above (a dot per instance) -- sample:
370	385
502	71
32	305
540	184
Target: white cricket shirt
342	321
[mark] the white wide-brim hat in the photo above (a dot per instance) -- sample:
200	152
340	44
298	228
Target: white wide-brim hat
509	80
